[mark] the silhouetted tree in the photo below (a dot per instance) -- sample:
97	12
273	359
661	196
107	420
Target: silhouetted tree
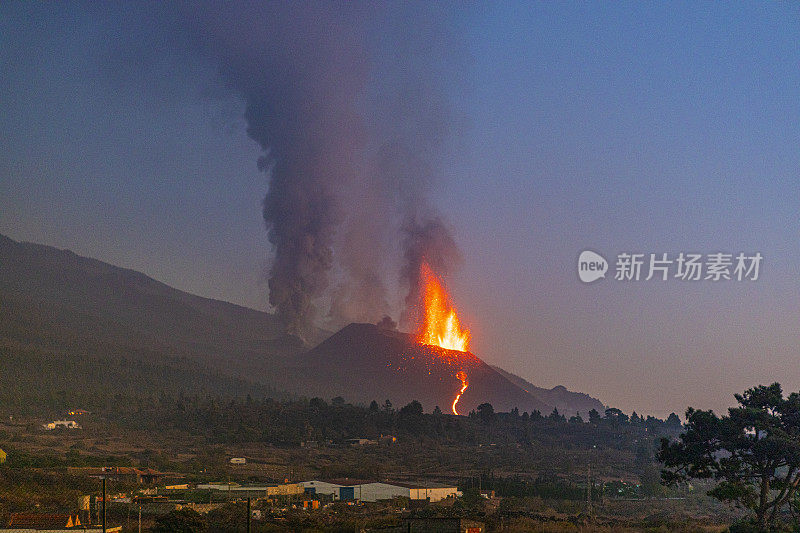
413	409
185	520
411	418
615	415
486	412
317	403
577	419
754	451
673	421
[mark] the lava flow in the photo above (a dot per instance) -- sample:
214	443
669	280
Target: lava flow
464	384
440	326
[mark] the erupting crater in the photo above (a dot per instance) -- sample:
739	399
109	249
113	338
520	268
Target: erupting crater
441	327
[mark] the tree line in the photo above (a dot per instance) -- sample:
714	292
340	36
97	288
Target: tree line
321	422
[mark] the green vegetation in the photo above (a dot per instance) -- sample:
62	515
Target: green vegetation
179	521
753	453
38	382
535	463
291	422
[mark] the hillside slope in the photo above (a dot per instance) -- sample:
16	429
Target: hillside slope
75	330
363	362
567	402
84	317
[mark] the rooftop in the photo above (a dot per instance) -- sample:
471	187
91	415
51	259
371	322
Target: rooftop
422	485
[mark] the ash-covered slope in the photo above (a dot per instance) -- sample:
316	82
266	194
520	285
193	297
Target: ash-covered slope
363	362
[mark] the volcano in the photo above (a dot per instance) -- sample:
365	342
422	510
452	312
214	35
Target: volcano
63	316
363	362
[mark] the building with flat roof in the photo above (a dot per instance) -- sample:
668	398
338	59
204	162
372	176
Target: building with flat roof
236	490
372	491
430	491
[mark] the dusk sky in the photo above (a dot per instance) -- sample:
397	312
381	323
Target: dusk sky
614	127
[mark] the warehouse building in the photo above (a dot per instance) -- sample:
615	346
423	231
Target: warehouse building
430	491
368	491
235	490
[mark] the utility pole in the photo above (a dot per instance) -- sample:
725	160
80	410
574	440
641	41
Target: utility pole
589	489
592	454
249	515
104	504
140	519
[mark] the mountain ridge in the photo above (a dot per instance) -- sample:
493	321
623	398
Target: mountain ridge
381	360
62	305
567	402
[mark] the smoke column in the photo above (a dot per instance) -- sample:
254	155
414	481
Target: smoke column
417	121
348	103
430	242
300	69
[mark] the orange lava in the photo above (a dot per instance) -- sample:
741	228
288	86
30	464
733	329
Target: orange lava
464	384
440	326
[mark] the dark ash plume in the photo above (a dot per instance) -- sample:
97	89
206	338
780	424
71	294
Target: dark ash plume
387	323
431	242
300	226
300	68
349	103
416	121
361	254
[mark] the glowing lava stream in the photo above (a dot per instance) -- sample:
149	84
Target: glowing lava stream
440	326
464	384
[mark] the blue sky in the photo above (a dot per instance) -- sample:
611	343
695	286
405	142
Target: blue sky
643	127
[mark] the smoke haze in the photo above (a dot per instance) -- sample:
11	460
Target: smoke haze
348	172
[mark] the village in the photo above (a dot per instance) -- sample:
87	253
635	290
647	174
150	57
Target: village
159	493
139	481
134	498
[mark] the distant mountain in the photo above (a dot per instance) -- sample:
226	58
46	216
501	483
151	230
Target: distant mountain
79	332
363	362
87	324
567	402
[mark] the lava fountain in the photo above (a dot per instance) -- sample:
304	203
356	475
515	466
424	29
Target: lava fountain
440	324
